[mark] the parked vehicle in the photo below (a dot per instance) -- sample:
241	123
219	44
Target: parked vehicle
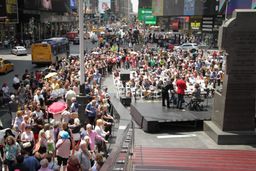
187	46
5	66
19	50
76	41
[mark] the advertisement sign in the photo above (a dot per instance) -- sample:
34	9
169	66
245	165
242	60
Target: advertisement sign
158	7
253	4
104	5
55	5
73	4
189	7
175	25
145	15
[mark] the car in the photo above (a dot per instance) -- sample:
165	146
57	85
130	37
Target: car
5	66
19	50
187	47
76	41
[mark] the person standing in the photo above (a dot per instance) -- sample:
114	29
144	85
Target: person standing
165	93
63	149
181	87
13	107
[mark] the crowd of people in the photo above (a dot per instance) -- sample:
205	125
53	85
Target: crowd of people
153	68
43	140
40	139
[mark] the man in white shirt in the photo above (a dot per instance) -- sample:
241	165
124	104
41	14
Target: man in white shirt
38	112
16	82
69	95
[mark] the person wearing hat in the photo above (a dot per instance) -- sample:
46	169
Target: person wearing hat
63	149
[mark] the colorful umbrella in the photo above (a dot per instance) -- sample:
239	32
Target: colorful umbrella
57	107
51	74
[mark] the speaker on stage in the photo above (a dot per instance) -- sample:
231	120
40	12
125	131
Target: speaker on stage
124	76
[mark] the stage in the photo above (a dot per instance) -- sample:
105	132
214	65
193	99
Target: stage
150	115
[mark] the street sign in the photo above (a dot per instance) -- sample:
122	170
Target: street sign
145	15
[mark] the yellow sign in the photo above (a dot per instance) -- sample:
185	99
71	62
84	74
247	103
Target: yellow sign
195	25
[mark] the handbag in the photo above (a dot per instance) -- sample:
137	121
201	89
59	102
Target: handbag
26	144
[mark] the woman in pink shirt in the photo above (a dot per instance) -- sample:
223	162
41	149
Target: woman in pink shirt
63	149
92	134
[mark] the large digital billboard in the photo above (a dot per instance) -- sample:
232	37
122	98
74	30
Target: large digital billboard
253	4
55	5
189	7
104	5
73	5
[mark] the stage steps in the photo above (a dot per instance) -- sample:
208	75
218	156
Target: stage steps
186	159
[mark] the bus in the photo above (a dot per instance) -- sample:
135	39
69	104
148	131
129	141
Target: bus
49	51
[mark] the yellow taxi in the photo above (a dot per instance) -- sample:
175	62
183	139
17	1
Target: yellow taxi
5	66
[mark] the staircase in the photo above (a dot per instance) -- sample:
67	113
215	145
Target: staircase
186	159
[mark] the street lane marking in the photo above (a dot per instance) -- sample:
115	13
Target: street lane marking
176	136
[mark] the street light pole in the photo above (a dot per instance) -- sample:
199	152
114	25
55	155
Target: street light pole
81	99
81	46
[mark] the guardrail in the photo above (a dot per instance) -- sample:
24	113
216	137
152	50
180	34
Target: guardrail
122	149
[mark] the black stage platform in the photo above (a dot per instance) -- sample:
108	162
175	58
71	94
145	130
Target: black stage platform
150	115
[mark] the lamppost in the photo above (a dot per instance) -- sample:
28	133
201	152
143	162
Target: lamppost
81	98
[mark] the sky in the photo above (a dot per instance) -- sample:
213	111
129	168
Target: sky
135	4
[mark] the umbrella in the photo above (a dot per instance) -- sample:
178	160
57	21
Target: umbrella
51	74
57	107
95	53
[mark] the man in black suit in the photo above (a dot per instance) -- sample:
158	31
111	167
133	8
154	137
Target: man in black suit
165	93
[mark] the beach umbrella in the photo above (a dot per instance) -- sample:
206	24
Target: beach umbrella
51	74
57	107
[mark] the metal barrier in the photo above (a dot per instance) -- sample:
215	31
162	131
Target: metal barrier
122	149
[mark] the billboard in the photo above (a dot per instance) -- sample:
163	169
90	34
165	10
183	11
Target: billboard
104	5
55	5
189	7
158	7
253	4
73	5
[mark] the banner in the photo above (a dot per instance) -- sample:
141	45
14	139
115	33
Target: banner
158	7
104	5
